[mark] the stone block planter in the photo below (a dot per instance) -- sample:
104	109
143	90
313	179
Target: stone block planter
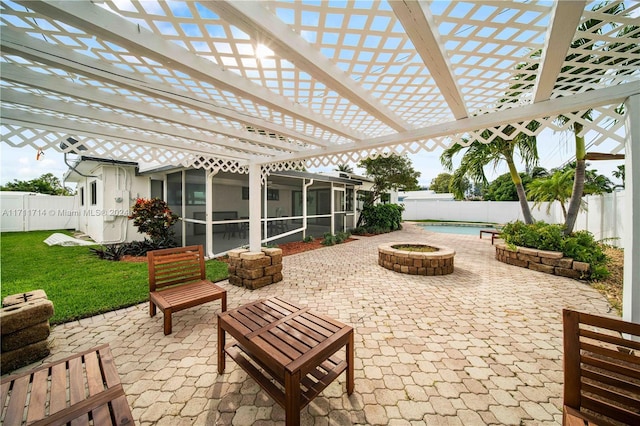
255	269
549	262
24	329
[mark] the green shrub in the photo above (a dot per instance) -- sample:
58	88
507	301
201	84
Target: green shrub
329	239
385	217
154	218
308	239
579	245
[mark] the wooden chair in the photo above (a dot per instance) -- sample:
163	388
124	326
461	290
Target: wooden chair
177	281
81	390
601	370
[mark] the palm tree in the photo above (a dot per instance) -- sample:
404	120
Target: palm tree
556	187
577	127
478	155
345	168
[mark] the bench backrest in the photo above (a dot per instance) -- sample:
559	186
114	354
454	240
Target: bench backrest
168	267
602	368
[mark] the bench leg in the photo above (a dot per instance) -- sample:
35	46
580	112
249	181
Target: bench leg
224	302
350	383
167	321
152	309
221	345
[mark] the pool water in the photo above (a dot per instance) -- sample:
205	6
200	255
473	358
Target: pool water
456	229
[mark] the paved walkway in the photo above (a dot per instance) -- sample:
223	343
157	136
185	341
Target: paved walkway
480	346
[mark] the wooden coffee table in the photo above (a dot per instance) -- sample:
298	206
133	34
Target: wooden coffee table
286	349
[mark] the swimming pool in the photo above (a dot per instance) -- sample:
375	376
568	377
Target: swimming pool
456	229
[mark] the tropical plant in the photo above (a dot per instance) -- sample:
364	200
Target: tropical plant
442	184
585	45
393	172
502	188
556	187
154	218
478	154
346	168
580	246
382	218
619	174
45	184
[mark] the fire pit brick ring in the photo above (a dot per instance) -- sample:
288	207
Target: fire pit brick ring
436	262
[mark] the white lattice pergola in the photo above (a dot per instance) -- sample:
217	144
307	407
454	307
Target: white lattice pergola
272	85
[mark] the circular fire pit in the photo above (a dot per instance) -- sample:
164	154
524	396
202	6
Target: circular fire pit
416	258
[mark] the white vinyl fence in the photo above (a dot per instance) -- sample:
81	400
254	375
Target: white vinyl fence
21	211
602	215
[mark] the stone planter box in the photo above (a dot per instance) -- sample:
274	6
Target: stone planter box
255	269
24	329
439	262
549	262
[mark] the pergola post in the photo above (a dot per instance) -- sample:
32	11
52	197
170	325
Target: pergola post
631	287
255	208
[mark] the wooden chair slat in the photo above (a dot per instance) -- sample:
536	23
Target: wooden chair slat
610	366
77	389
38	399
610	354
611	411
609	394
58	388
614	381
15	410
614	340
95	384
613	324
177	281
602	369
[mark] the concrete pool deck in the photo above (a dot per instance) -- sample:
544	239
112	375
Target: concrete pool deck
480	346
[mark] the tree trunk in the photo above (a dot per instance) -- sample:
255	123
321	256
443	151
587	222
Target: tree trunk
578	181
522	196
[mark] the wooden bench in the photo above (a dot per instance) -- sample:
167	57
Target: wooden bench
84	388
177	281
601	370
494	234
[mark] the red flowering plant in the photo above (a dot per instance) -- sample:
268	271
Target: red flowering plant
154	218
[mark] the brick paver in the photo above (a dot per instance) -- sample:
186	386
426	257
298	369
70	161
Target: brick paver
480	346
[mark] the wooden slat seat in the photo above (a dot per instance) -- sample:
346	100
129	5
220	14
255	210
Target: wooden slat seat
82	389
177	281
601	370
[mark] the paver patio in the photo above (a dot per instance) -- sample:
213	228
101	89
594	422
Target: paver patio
480	346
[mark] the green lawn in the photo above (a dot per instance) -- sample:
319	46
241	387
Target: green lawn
77	282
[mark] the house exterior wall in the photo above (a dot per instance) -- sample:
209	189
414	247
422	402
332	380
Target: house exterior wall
117	187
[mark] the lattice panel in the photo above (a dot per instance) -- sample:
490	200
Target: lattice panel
605	50
19	136
606	124
492	48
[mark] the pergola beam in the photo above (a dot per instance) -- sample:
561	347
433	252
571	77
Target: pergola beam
417	23
108	26
20	44
63	87
69	126
553	107
562	29
252	18
105	119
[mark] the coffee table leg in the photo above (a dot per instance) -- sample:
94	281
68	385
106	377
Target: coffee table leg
292	398
350	383
221	344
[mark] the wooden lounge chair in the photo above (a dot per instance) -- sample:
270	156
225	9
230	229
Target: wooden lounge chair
82	389
177	281
601	370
